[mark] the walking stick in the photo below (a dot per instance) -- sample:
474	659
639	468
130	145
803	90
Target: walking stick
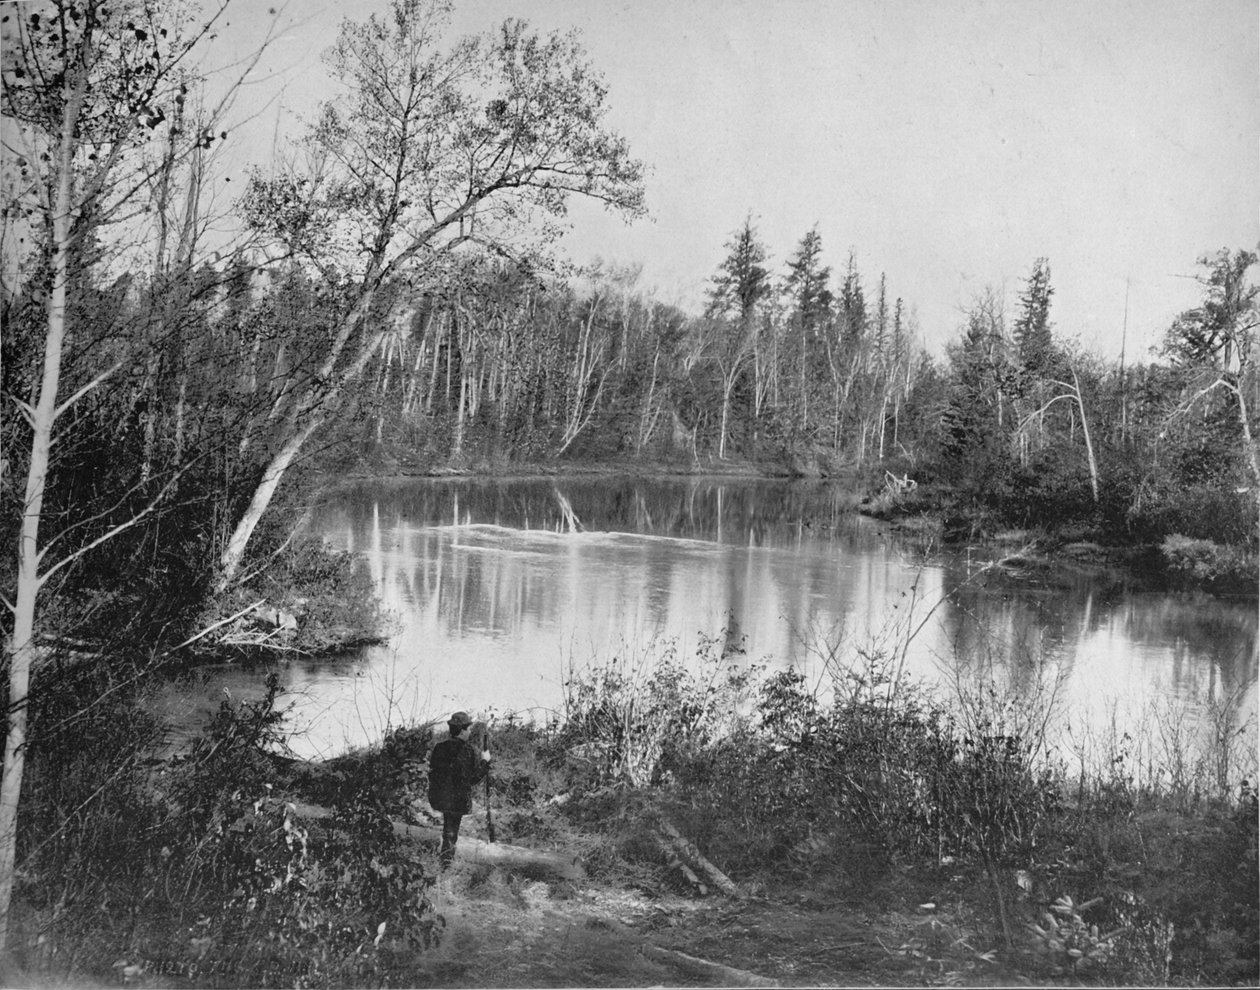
489	819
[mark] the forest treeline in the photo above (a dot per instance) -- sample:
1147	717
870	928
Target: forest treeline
180	357
496	364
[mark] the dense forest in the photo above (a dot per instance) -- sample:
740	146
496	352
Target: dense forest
182	361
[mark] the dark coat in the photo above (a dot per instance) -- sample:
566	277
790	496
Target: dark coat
454	767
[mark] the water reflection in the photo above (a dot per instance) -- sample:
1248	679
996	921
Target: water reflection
499	588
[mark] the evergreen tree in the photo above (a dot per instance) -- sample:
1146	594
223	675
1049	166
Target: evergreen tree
807	282
1032	326
975	421
809	300
742	280
730	328
852	308
881	313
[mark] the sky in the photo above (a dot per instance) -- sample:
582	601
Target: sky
947	144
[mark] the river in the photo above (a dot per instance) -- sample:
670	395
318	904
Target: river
500	590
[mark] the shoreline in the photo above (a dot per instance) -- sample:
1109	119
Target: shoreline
928	512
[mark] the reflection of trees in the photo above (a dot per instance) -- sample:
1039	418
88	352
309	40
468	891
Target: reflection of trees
759	513
1024	625
793	565
487	581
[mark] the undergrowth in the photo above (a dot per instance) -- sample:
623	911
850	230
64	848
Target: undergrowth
864	791
199	873
1106	874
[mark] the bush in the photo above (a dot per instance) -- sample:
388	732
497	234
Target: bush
1202	512
281	907
635	721
329	595
1203	562
202	872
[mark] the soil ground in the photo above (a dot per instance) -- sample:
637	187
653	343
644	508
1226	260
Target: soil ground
507	932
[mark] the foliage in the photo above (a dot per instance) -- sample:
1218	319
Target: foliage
210	877
633	720
1070	944
1220	330
1032	326
789	785
1206	563
350	910
330	593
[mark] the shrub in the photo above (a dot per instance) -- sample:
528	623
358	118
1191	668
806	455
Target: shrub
201	871
635	721
1207	563
328	593
290	909
1203	512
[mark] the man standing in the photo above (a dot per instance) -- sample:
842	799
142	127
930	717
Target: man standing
454	767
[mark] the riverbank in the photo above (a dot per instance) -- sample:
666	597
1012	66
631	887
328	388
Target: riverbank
928	514
936	512
386	467
731	832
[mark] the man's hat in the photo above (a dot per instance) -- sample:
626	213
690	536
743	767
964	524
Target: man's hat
459	720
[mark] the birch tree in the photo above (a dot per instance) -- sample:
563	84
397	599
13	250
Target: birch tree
85	86
433	147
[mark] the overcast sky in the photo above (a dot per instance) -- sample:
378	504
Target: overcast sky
948	143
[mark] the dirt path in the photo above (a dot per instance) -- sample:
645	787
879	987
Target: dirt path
510	933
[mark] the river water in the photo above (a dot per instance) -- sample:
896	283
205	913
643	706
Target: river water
499	590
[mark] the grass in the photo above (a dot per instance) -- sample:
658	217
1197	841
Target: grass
877	837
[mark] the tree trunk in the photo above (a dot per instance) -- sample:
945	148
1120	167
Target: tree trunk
1089	445
726	407
1249	444
230	561
690	854
42	417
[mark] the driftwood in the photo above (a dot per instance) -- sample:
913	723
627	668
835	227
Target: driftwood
532	862
701	969
683	855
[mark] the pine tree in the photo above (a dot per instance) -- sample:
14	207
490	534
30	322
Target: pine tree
807	282
1032	327
810	302
852	308
742	280
739	287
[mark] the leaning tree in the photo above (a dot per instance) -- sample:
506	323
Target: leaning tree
433	147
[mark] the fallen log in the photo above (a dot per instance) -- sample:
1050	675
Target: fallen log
519	859
687	851
674	863
701	969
